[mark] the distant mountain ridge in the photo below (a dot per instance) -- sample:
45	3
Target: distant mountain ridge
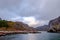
42	28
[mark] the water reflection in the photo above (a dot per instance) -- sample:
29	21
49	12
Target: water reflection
40	36
32	37
54	36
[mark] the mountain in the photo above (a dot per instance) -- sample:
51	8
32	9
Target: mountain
43	28
21	25
0	19
14	26
54	25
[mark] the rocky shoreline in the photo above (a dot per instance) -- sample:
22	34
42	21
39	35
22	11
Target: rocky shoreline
16	32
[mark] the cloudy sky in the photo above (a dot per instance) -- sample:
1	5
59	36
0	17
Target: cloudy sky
33	12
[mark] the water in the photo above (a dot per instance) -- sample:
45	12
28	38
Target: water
37	36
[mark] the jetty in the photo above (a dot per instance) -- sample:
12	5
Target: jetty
3	33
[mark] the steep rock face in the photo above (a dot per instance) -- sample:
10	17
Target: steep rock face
54	25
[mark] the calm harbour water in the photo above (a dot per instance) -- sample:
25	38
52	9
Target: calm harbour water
37	36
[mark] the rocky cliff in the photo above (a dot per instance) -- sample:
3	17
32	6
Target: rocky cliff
54	25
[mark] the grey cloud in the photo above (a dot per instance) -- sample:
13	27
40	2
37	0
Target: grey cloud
9	3
40	9
50	10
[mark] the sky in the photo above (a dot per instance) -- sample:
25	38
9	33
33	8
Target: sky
32	12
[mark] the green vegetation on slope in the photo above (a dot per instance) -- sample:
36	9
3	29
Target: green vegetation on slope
14	26
3	23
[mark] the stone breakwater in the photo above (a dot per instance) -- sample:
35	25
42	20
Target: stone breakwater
3	33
